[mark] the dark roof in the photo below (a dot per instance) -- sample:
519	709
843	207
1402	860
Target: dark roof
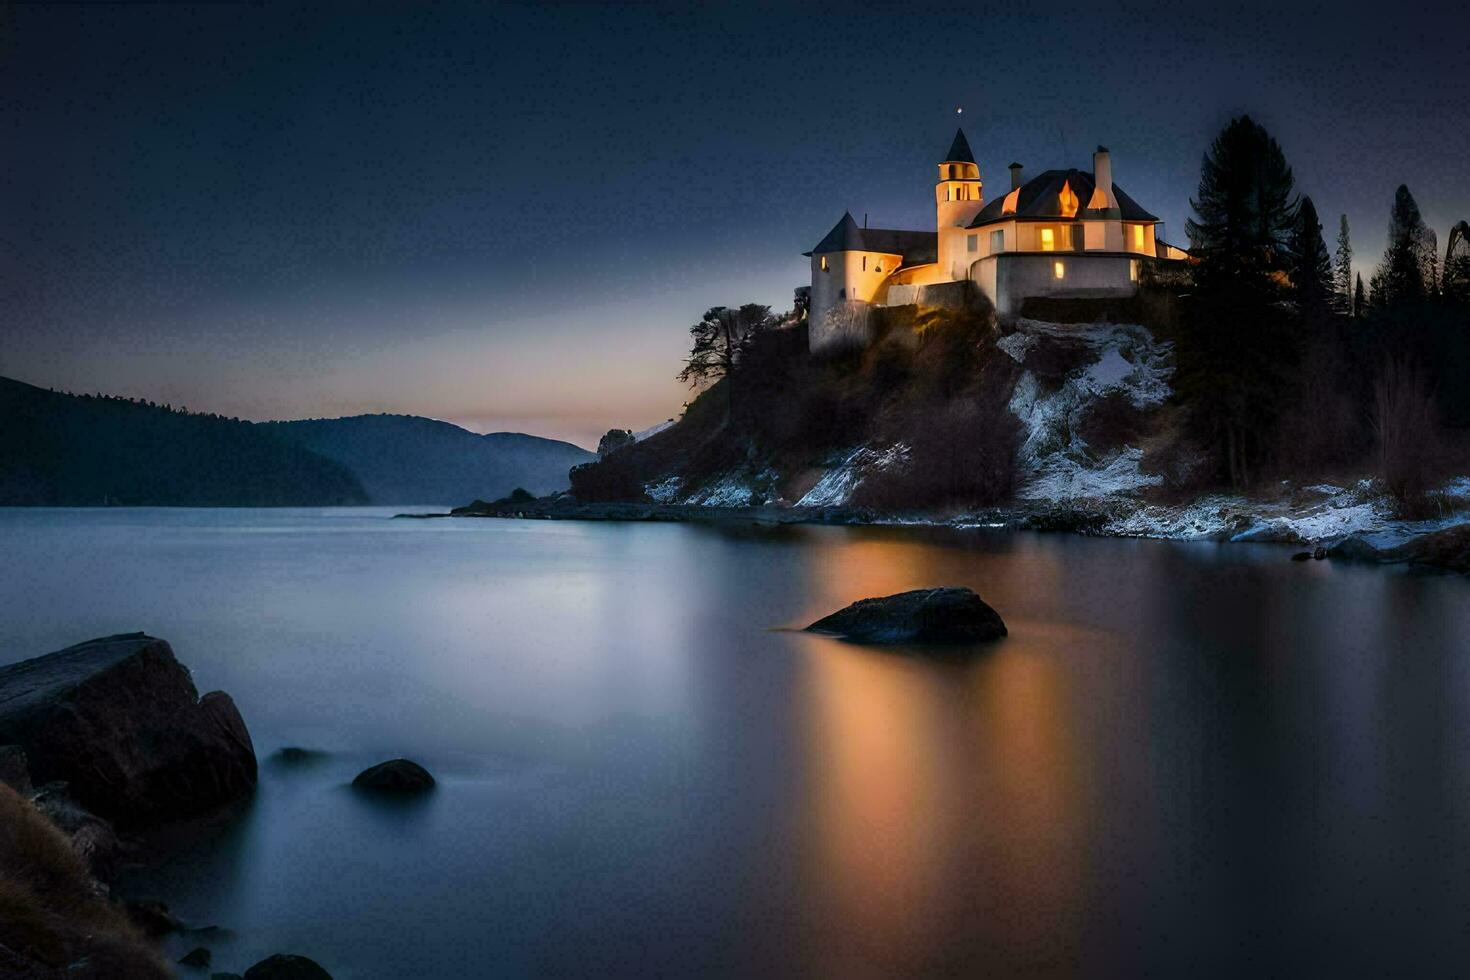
916	247
1039	198
959	150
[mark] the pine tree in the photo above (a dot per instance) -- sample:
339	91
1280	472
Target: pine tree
1245	208
1343	272
1236	352
1311	269
1400	277
1360	298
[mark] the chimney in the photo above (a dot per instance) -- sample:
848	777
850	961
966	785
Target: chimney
1015	176
1102	176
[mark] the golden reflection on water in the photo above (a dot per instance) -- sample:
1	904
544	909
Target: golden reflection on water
944	811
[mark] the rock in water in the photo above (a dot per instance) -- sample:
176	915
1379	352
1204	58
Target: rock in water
120	722
921	616
285	966
400	776
198	958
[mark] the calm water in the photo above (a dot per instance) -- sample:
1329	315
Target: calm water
1186	757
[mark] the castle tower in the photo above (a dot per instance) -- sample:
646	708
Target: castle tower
958	197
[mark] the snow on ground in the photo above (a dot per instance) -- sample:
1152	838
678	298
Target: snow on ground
1358	511
734	489
730	490
652	430
1062	467
665	492
836	486
1059	478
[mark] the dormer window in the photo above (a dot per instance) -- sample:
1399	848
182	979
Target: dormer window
1067	201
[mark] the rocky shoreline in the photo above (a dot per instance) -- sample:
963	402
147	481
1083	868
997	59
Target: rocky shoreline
102	743
1352	524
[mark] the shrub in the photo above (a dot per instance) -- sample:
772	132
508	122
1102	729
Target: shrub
1406	435
51	918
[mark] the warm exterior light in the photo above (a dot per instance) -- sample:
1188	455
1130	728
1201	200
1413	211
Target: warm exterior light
824	263
1049	243
1067	200
1058	270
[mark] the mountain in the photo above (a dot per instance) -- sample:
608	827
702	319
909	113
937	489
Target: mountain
67	450
404	459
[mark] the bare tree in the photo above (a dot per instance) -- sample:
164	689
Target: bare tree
719	340
1405	432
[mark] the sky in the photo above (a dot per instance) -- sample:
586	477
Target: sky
507	216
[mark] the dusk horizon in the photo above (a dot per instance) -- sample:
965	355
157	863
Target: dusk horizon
726	490
507	218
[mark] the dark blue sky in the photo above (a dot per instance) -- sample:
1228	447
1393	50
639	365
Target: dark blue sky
507	216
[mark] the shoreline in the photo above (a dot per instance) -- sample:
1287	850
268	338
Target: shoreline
1344	524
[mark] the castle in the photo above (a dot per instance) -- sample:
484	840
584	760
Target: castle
1062	234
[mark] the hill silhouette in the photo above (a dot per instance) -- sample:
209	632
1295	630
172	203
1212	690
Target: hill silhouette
60	449
405	459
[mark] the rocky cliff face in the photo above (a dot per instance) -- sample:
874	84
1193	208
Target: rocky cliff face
941	412
118	719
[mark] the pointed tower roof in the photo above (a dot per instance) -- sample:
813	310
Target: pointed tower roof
914	247
959	150
845	236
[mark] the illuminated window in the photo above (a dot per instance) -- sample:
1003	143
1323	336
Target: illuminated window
824	263
997	241
1133	269
1008	206
1058	270
1048	241
972	243
1067	201
1138	238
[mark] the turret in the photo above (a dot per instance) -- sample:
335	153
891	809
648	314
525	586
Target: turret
958	194
958	197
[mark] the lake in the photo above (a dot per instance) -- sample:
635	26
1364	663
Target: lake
1187	758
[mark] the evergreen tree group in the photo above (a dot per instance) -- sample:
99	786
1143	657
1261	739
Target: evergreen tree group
1286	363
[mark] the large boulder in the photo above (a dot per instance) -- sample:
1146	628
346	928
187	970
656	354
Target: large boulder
119	721
1448	549
397	777
286	966
921	616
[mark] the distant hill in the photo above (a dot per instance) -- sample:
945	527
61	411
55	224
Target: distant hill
404	459
82	450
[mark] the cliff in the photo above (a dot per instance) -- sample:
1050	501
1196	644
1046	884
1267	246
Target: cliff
944	412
